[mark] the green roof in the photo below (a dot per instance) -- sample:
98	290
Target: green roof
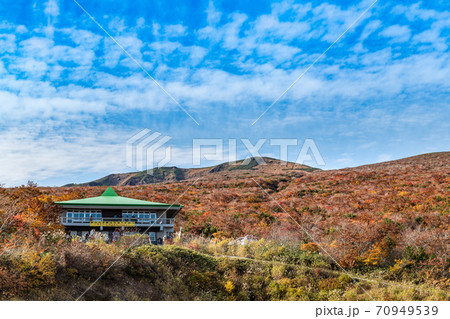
110	198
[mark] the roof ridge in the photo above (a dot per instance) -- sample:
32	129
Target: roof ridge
109	192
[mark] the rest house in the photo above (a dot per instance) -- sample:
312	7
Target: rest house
114	216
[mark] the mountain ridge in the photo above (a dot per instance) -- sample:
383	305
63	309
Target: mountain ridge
174	173
252	169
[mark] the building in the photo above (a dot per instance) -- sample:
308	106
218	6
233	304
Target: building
113	215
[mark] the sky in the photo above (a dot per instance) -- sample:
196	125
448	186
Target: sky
74	90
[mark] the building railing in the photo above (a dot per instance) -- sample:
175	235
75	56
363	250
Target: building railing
137	221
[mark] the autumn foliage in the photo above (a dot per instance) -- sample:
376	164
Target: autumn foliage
390	218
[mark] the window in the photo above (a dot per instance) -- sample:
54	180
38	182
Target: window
152	237
84	216
142	217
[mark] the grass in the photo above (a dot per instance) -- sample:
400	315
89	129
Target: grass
209	270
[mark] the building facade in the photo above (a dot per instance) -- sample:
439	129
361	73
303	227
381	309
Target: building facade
114	215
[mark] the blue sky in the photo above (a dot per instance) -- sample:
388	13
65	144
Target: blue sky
70	97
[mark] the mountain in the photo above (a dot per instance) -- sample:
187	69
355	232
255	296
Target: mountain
255	166
387	222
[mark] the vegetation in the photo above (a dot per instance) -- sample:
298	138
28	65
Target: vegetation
385	224
62	270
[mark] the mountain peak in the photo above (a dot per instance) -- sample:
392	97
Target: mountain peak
252	166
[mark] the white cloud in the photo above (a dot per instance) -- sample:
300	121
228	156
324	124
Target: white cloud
8	26
196	54
244	64
7	43
46	50
175	30
368	145
345	160
332	20
115	55
371	27
26	108
398	33
213	16
51	8
279	52
228	34
27	155
165	47
414	12
140	22
384	157
84	38
116	26
268	26
32	67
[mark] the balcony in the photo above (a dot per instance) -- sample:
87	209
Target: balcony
117	222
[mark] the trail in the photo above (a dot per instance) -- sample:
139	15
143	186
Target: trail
376	281
302	266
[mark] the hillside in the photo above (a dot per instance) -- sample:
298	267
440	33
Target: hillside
350	210
173	272
389	223
169	174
